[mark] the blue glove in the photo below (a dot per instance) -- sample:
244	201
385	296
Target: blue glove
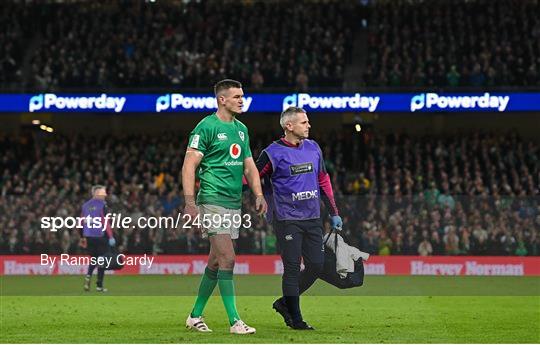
337	223
112	241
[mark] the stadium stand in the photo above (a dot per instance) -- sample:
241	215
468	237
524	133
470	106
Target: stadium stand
12	36
472	194
306	45
479	43
457	194
135	44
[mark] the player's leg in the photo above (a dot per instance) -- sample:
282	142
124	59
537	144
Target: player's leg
100	277
221	233
91	250
103	247
224	251
289	236
90	270
313	254
87	280
208	283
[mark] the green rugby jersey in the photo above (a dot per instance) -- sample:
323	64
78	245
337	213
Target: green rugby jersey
224	145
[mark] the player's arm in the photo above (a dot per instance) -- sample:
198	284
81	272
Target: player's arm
107	225
192	161
264	167
254	181
105	221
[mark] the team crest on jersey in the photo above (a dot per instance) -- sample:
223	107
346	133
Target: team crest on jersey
241	134
235	150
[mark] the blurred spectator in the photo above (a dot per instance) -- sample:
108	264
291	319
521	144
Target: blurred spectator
425	248
453	76
302	80
453	43
13	35
385	244
474	194
190	44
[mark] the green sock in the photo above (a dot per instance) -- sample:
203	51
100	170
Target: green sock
226	288
208	283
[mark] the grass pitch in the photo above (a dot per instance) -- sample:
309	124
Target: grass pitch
152	309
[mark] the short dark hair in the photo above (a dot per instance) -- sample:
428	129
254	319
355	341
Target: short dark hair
226	84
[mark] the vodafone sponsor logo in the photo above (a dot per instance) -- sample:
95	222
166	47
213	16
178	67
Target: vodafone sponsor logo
235	150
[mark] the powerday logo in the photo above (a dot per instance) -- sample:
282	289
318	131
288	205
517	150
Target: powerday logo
439	102
51	101
179	101
355	102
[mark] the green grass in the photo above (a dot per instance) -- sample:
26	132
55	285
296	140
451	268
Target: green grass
152	309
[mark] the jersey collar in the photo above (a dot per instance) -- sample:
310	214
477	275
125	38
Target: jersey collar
288	143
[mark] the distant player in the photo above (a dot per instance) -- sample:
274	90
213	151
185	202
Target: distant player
96	240
219	148
295	169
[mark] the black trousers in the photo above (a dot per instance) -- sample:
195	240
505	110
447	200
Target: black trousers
299	239
96	247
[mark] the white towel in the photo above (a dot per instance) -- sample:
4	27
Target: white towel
346	255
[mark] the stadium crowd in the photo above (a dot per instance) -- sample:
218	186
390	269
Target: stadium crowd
13	33
465	194
305	45
134	44
480	43
474	194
